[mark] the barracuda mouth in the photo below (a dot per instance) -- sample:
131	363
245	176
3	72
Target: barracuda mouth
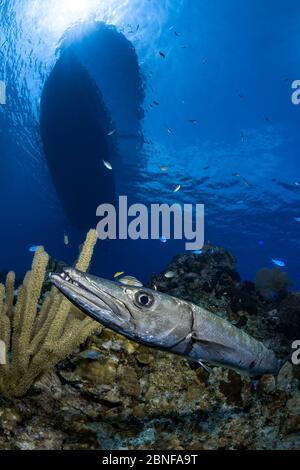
95	299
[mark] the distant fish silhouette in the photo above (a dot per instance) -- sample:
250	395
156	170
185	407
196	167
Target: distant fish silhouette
278	262
66	240
169	130
33	249
197	252
107	165
177	188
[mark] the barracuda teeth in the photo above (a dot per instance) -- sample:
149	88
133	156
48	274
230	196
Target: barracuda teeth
67	278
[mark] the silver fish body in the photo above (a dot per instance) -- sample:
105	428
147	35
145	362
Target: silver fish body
160	321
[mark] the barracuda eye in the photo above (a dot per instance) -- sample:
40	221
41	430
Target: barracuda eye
144	299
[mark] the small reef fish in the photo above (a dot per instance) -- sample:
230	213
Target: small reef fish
162	54
91	354
118	274
163	322
177	188
163	168
66	240
163	239
33	249
107	165
130	281
278	262
169	130
197	252
193	121
110	133
169	274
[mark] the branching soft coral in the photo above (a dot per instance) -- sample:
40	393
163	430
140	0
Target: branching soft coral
38	337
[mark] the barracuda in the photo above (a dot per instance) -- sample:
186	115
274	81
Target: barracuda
163	322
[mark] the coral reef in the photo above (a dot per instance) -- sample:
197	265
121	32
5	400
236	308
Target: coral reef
115	394
272	283
37	336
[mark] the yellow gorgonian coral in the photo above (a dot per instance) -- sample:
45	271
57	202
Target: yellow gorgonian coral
37	336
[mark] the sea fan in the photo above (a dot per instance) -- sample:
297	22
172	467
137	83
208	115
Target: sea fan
272	283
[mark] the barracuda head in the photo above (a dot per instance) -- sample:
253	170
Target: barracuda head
146	316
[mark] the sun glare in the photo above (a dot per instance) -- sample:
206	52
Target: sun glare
78	6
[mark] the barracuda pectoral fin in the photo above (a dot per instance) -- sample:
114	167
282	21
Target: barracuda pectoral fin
197	364
205	367
211	350
210	346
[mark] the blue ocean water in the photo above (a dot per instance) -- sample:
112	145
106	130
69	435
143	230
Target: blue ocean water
215	109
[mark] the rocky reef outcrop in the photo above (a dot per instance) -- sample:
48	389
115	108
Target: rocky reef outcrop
115	394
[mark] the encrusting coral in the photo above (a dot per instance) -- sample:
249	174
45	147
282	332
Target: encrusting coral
38	337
